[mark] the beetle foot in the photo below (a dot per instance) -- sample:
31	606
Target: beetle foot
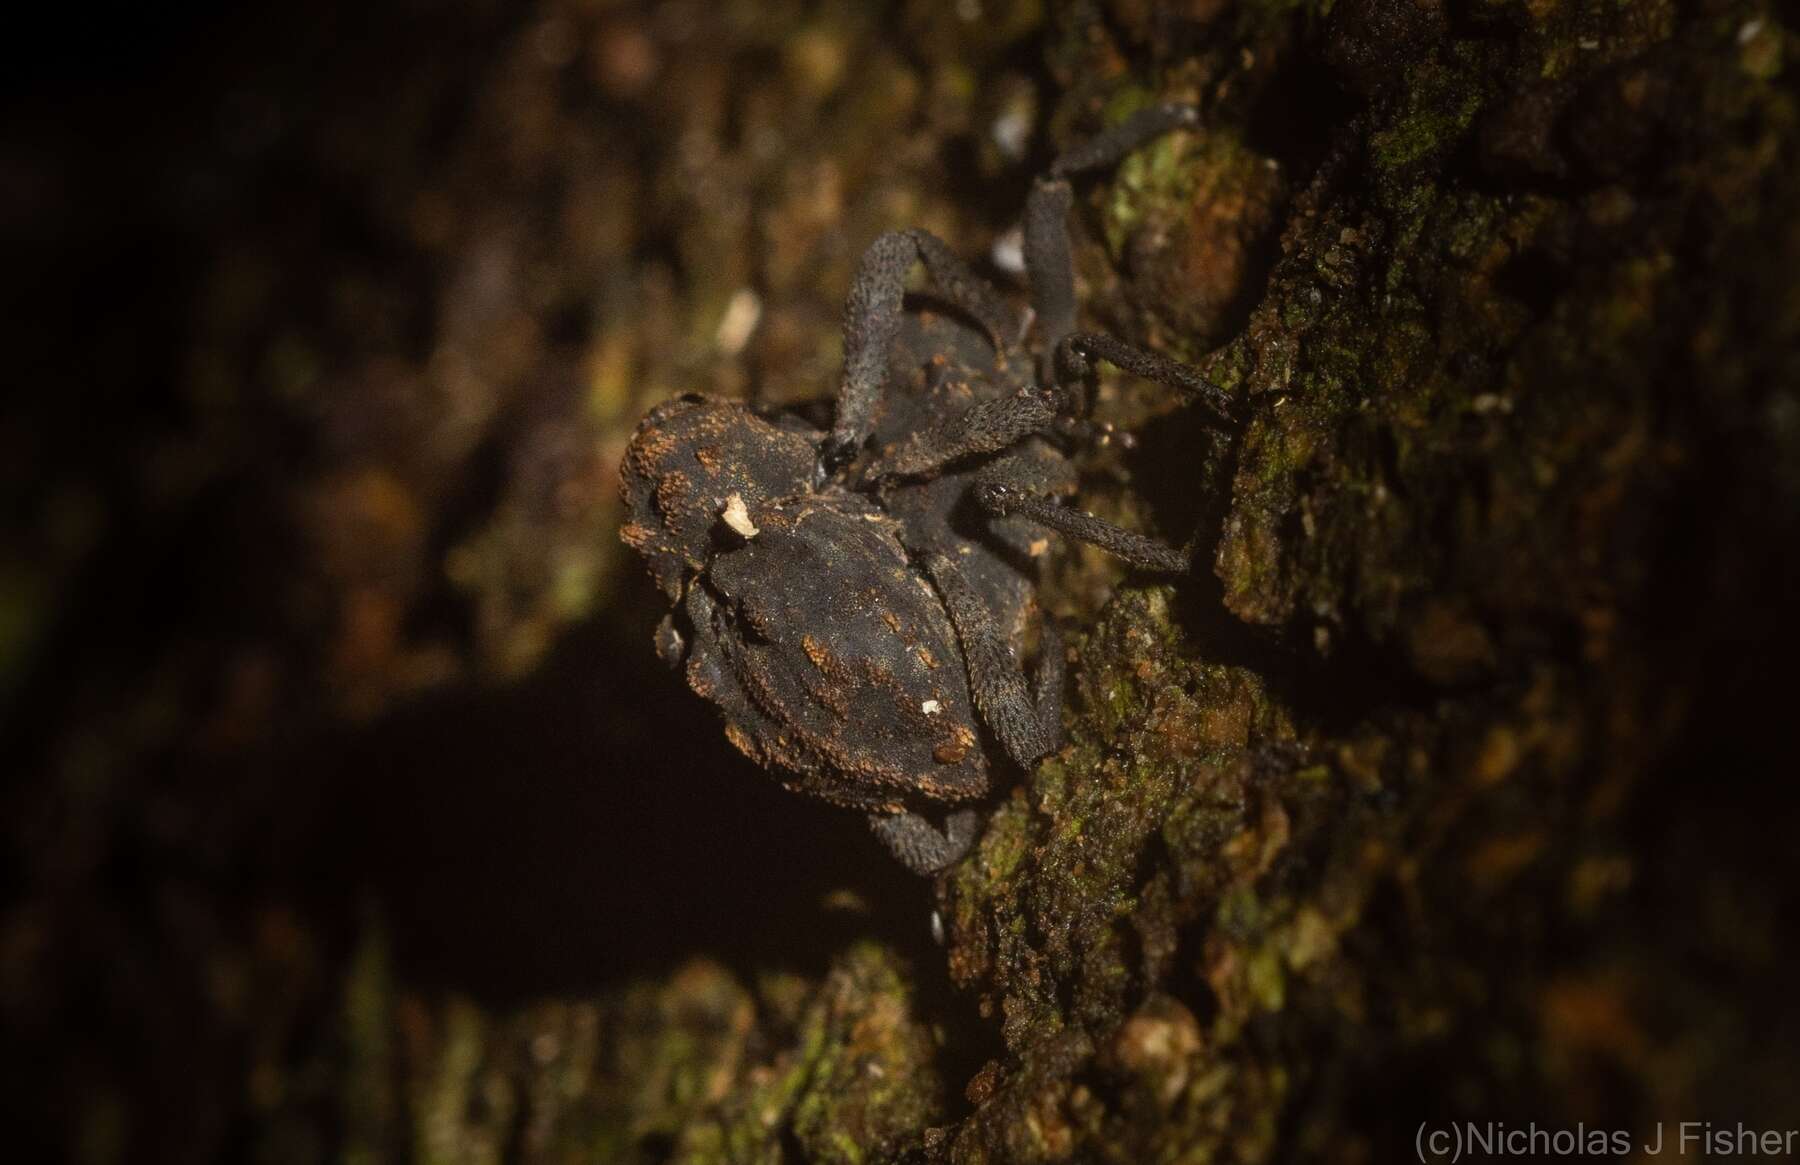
920	845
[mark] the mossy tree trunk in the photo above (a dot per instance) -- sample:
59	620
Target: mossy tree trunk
1449	786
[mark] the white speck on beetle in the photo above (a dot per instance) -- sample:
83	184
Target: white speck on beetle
1747	32
737	517
931	707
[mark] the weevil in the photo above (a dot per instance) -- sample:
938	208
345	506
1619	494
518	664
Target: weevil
857	600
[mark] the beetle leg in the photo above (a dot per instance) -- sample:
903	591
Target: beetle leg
1076	353
1074	364
872	318
1049	263
995	678
921	846
1112	144
1136	549
984	427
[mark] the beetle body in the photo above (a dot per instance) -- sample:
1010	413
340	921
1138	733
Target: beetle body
801	612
